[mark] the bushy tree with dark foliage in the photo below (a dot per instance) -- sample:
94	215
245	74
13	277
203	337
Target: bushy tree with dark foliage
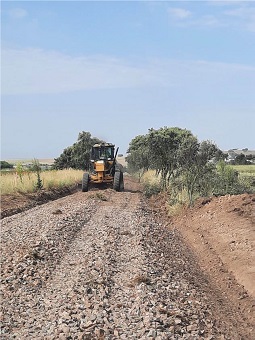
77	156
176	155
242	160
5	165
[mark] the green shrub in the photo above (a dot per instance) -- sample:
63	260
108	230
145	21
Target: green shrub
150	189
227	181
5	165
37	169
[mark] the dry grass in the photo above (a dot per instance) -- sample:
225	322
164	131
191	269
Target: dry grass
11	182
151	177
176	200
175	209
48	161
99	196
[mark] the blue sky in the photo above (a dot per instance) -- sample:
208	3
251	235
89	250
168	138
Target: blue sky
116	69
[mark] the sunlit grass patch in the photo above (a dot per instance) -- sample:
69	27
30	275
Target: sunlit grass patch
25	182
151	183
245	170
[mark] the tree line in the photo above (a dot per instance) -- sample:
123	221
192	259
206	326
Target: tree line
176	155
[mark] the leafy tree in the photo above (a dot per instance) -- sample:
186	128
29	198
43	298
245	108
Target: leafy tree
220	155
78	155
197	171
250	157
82	149
5	165
138	154
65	159
241	160
171	149
177	156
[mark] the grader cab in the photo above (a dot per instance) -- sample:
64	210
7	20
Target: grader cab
104	168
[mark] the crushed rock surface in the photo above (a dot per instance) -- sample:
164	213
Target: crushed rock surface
98	265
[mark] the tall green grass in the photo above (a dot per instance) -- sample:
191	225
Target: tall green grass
245	170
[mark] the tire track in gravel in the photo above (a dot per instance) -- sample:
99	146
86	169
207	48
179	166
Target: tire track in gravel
82	279
105	268
32	244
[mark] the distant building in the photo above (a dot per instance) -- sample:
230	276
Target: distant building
233	153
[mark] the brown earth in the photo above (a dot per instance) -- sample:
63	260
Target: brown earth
219	231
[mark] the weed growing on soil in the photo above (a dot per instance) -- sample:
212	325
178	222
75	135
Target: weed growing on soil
37	169
20	171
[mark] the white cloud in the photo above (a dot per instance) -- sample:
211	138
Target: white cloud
222	3
179	13
236	14
31	71
38	71
207	21
246	16
185	18
18	13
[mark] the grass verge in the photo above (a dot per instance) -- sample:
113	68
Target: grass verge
26	181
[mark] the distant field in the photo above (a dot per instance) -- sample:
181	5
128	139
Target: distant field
122	160
48	161
245	170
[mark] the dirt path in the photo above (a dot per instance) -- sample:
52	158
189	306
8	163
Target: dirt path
102	265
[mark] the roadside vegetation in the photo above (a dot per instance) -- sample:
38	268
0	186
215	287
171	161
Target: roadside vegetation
5	165
66	171
27	181
173	161
169	160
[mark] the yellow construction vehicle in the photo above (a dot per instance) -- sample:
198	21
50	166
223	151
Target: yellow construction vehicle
104	168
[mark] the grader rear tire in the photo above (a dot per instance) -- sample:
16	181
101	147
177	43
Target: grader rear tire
85	182
121	182
117	181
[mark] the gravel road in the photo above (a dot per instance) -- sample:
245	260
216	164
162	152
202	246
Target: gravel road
100	265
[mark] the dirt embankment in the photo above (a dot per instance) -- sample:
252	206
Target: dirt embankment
224	226
106	265
15	203
220	231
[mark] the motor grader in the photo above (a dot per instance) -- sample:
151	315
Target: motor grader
104	168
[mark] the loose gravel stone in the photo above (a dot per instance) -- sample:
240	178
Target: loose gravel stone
85	268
